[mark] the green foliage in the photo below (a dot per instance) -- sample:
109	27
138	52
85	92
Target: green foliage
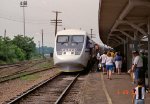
18	49
17	52
26	44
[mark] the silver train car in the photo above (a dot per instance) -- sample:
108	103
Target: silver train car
72	50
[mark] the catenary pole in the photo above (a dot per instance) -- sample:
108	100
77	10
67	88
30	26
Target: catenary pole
5	33
39	47
42	45
56	21
92	35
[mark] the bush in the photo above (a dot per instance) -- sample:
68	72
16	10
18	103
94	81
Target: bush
18	49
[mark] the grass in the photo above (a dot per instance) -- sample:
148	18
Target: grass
30	77
45	65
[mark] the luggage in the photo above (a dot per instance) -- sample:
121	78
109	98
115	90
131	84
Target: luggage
131	75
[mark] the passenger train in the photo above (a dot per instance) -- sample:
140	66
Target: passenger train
72	50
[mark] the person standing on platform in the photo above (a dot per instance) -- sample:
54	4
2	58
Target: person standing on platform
137	65
145	67
118	62
138	93
98	61
109	65
94	59
112	52
103	61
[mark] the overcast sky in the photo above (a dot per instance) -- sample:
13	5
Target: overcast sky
75	14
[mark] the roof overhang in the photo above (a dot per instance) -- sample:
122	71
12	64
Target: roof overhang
122	18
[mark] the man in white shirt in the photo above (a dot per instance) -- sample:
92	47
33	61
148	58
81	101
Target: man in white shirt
103	61
97	61
137	65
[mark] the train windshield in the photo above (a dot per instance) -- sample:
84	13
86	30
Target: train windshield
77	39
63	39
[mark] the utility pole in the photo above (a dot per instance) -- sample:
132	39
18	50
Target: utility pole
4	33
39	47
92	34
6	47
23	4
42	45
56	21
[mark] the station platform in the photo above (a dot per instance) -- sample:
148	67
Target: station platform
100	90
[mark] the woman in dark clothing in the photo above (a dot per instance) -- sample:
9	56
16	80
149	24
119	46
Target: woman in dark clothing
118	62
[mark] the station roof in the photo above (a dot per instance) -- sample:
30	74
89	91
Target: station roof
119	19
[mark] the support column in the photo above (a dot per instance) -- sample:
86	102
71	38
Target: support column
128	52
135	42
124	47
149	52
125	55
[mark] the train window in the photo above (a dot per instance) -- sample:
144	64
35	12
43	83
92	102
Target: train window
63	39
77	39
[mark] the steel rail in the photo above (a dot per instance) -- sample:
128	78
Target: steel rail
20	71
66	90
32	89
2	66
13	64
15	76
7	66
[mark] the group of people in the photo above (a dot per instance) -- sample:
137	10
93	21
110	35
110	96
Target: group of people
138	70
110	62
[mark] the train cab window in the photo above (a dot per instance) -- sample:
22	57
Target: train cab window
62	39
77	39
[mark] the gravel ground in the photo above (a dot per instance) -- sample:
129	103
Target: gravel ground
10	70
12	88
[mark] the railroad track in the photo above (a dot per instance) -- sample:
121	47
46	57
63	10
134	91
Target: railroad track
22	74
50	91
11	65
19	72
19	64
74	94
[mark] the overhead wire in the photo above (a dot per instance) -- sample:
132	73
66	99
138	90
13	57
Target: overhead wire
20	21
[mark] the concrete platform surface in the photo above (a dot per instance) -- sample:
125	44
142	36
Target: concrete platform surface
100	90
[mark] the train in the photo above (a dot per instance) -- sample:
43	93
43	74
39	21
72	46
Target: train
73	49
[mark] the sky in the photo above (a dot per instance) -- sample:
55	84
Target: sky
75	14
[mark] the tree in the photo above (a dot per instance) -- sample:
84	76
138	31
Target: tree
10	52
26	44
